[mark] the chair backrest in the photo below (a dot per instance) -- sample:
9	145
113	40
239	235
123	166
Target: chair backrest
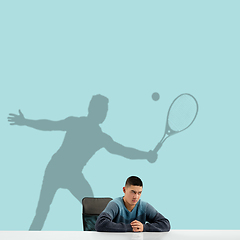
92	207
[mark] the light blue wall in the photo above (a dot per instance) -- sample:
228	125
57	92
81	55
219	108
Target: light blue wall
56	54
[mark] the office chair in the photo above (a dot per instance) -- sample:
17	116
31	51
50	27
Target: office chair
92	207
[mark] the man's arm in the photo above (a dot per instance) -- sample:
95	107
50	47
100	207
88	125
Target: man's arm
127	152
105	222
44	125
156	221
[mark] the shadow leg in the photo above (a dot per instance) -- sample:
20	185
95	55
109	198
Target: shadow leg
80	188
46	196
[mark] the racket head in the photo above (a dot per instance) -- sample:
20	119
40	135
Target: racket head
181	114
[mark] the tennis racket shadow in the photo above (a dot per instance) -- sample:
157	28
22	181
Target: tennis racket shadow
181	114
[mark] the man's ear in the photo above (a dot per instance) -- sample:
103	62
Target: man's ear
124	189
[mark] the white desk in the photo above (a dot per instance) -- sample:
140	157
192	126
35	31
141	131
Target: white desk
80	235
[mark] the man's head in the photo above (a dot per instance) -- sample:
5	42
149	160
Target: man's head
132	190
98	108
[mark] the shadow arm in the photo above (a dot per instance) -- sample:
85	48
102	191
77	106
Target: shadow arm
127	152
44	125
48	125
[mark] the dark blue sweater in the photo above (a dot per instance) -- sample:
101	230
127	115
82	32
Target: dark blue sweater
116	218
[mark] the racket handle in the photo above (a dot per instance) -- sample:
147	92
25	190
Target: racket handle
156	149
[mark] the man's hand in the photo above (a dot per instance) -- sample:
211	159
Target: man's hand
152	156
15	119
137	226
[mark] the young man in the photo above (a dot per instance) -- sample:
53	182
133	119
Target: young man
130	214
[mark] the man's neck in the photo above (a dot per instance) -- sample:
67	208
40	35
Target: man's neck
128	206
92	120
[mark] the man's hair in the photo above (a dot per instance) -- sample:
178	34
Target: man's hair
133	180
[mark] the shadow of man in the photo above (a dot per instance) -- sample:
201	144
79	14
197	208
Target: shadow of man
82	140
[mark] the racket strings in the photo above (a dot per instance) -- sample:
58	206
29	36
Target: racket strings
182	112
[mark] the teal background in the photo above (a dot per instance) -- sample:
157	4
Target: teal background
56	54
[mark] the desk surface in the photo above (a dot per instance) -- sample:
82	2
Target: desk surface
172	235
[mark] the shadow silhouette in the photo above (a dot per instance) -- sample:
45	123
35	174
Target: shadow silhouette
82	140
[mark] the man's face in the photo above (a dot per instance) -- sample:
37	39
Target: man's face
132	194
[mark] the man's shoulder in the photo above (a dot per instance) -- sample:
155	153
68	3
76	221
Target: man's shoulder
118	201
74	119
142	202
116	204
149	209
106	138
142	205
112	208
74	122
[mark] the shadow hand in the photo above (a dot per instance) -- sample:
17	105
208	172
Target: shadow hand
15	119
152	156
